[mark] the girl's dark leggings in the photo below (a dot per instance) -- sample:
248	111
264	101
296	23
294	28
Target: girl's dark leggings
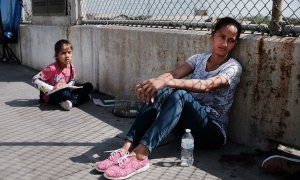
77	96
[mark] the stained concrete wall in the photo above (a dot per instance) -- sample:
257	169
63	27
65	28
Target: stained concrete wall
116	58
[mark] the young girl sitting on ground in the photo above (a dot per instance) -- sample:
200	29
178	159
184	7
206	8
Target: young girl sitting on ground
59	74
173	104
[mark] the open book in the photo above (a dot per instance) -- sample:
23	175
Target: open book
64	87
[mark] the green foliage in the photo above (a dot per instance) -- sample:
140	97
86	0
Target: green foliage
294	21
259	20
142	17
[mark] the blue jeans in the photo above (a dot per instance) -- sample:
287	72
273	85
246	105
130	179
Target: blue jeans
174	110
77	96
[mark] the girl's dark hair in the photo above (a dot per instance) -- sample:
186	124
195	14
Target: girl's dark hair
227	21
59	44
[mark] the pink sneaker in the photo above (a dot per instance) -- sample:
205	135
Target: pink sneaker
126	168
101	166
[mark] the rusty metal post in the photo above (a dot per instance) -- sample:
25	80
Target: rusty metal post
276	17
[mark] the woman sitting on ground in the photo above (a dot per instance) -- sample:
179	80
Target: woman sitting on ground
173	104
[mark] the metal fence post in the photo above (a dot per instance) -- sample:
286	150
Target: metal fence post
79	12
276	17
83	9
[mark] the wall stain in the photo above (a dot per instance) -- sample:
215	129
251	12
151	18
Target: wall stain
270	97
284	85
298	78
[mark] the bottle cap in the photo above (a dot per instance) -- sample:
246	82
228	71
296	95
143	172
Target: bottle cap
187	130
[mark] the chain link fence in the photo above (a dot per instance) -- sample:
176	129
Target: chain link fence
273	17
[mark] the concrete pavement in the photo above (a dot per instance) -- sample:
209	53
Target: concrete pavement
39	141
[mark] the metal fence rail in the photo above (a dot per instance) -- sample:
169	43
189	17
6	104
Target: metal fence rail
273	17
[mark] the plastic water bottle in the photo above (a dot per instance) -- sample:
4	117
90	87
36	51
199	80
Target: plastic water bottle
187	148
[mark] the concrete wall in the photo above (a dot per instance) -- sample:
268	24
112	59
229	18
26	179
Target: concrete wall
116	58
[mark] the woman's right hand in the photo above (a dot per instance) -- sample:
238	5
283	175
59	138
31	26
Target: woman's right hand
146	90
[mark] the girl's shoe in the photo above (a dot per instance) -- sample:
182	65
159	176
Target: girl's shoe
67	105
101	166
126	168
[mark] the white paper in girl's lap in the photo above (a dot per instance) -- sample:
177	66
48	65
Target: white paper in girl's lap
64	87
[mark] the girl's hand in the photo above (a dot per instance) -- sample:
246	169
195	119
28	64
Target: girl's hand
59	85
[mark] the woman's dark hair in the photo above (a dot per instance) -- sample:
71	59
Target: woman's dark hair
227	21
59	44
